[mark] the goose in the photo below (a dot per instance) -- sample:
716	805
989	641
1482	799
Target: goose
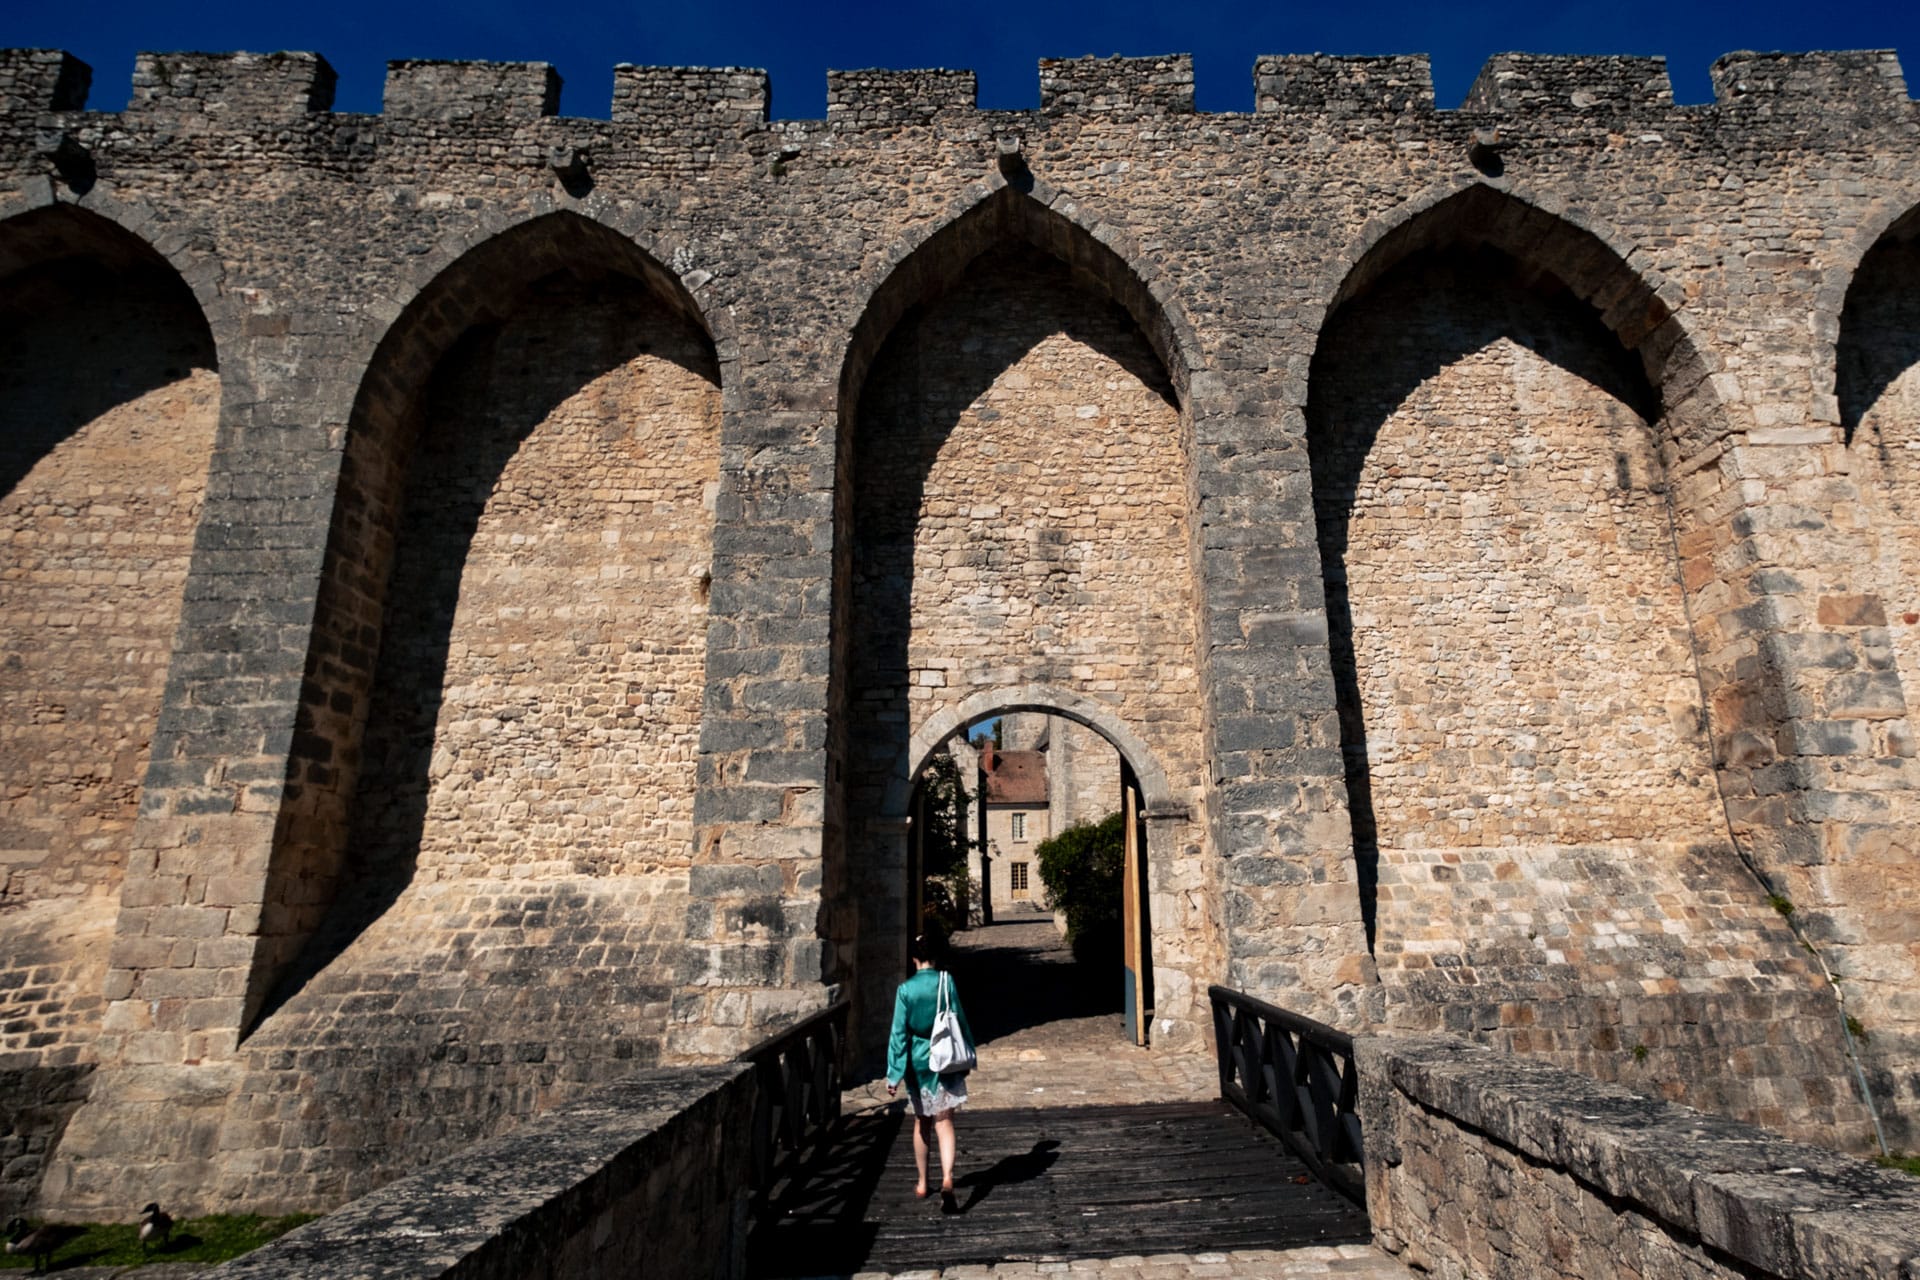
156	1225
37	1243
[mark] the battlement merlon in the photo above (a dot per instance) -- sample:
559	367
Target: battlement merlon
881	97
690	97
242	90
33	81
1124	88
1317	83
1517	83
240	86
509	92
1866	79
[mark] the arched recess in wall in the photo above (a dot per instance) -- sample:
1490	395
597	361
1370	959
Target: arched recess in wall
109	401
1013	509
499	725
1521	712
1877	381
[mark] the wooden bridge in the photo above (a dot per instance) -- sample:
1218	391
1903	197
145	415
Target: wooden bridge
1272	1164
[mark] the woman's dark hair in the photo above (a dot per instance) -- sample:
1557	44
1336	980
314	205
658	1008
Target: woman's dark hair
930	946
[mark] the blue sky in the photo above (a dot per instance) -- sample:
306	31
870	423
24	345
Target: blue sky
797	42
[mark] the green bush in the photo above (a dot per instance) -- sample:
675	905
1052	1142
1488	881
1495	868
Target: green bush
1081	868
945	846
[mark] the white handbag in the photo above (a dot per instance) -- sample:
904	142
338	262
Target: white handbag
948	1052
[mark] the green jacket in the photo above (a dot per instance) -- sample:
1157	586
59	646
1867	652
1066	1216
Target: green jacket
913	1010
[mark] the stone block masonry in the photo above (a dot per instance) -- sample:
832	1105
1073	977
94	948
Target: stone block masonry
651	1173
477	581
1479	1164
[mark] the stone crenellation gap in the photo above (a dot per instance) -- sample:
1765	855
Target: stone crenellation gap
238	89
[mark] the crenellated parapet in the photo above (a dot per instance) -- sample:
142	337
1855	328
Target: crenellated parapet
240	86
510	92
1317	83
1868	80
37	80
1518	83
866	99
663	106
1125	88
678	98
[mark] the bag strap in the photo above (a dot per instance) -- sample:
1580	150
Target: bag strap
942	999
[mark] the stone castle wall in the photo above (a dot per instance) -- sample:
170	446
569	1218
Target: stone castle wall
1482	532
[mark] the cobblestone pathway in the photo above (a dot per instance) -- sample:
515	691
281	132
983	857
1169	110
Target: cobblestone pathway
1351	1261
1049	1034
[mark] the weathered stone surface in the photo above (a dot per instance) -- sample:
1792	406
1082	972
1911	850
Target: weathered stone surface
1481	1163
600	515
652	1172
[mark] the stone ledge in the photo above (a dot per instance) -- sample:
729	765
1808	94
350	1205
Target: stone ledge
651	1171
1785	1208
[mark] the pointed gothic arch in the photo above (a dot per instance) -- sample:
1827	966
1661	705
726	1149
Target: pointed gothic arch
1017	283
1490	396
110	399
930	260
1876	343
484	283
39	225
1632	298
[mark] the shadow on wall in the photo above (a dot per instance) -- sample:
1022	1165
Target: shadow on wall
1432	310
81	338
922	384
1879	326
498	383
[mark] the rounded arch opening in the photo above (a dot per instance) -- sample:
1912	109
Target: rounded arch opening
988	704
109	408
1028	833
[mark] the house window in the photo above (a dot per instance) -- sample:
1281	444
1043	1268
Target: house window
1019	879
1019	826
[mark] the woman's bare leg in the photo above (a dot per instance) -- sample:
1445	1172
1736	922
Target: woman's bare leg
943	1129
920	1125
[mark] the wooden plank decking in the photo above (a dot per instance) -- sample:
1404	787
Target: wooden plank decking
1071	1182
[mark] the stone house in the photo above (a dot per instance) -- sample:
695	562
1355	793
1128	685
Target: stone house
1018	814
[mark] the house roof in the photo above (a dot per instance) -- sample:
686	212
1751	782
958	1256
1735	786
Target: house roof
1015	777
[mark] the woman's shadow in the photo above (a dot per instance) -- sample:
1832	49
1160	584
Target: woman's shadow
1008	1170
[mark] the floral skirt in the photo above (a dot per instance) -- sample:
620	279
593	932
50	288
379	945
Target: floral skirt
948	1093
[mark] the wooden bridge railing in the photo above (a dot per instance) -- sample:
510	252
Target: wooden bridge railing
1296	1077
796	1097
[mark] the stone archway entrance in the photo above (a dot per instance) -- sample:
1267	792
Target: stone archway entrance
1135	792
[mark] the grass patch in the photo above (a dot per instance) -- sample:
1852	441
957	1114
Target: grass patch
214	1238
1902	1162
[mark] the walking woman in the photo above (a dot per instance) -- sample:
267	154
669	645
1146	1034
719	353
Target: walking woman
934	1098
